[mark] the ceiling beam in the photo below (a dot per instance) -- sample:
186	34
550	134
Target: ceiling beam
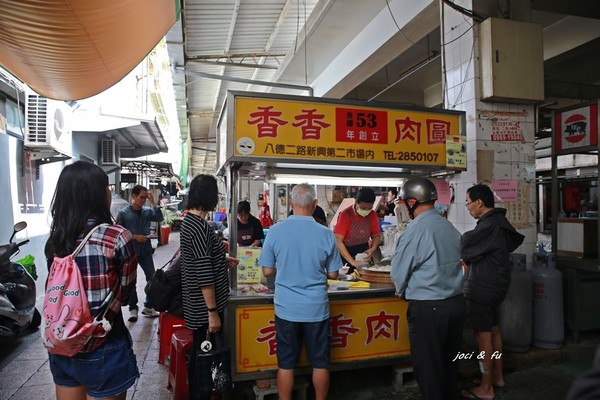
570	90
231	63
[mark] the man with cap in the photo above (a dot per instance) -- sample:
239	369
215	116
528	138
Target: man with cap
427	272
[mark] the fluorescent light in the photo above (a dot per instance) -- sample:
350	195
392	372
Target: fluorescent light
340	167
333	180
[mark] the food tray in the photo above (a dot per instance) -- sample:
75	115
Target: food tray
374	276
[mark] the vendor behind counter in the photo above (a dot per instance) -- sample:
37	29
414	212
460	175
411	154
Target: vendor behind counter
357	229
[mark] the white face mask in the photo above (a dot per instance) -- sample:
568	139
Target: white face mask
362	213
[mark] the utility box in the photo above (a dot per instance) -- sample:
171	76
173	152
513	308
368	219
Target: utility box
512	61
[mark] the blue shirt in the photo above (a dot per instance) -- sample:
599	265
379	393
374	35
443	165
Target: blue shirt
138	223
426	264
304	251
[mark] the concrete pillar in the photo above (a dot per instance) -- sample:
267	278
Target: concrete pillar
489	159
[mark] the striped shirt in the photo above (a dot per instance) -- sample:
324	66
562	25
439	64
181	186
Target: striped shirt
202	264
107	257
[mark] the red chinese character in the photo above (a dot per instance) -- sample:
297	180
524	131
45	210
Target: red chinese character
268	335
408	129
380	325
341	328
311	124
266	121
437	131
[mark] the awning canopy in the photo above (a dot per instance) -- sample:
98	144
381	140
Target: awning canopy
154	169
74	49
136	138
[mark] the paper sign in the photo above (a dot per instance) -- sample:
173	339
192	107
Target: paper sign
505	190
456	152
443	191
248	270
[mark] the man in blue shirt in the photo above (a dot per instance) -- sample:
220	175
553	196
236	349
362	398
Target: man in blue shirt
427	272
301	300
136	218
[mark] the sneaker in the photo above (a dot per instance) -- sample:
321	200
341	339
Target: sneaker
133	315
149	312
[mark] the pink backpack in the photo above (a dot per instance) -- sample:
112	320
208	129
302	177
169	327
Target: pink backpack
67	323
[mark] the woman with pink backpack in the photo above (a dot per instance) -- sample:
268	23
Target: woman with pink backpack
97	361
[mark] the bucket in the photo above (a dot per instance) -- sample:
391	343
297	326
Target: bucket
165	231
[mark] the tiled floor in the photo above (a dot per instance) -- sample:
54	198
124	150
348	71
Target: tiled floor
28	377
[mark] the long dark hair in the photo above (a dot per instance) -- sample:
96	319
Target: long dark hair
80	194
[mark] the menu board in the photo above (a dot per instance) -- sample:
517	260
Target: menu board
249	271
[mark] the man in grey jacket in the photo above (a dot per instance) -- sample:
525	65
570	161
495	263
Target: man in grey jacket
485	251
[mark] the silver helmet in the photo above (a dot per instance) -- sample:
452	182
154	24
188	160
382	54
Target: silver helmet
420	189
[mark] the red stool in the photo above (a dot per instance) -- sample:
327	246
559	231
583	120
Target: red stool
181	341
167	325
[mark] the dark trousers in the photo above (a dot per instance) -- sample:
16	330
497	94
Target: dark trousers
147	263
435	329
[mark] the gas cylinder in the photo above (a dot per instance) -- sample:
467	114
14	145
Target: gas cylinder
515	320
548	319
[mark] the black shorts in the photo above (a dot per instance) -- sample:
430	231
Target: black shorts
479	317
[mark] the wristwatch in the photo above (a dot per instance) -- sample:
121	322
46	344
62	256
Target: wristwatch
212	309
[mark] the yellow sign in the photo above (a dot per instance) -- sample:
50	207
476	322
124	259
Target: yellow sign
456	150
248	270
275	128
361	329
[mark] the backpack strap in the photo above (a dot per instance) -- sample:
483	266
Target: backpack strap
172	258
85	239
111	294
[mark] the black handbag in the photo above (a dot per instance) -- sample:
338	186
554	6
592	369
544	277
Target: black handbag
212	370
158	289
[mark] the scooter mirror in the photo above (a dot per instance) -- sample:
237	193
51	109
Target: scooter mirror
19	226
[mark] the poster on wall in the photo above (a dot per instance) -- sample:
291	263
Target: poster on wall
519	211
505	126
443	191
456	152
505	190
577	128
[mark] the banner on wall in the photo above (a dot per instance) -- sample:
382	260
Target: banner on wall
576	129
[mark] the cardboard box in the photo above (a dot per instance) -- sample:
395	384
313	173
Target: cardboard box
337	195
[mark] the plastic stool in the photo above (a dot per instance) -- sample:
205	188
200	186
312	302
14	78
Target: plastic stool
181	341
167	325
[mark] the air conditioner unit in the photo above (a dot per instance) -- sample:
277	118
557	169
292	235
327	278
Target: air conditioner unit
109	153
48	125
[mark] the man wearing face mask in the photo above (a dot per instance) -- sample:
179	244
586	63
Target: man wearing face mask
427	272
357	230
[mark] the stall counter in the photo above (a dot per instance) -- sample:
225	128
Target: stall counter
368	328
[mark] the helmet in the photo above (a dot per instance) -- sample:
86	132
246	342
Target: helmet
420	189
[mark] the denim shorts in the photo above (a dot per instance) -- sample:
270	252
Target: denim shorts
289	335
107	371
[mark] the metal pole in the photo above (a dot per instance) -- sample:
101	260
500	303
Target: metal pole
250	81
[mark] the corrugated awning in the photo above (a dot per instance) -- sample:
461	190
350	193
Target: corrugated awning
74	49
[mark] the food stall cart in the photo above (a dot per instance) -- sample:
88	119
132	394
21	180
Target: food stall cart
267	137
